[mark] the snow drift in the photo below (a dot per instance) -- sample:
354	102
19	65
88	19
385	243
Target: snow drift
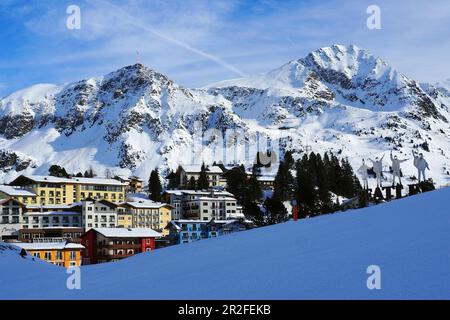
321	258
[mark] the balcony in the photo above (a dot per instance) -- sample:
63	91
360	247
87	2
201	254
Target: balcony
114	256
119	246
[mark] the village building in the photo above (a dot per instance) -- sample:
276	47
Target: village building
51	235
11	216
54	190
124	219
187	204
214	174
58	253
113	244
98	214
187	231
16	193
149	214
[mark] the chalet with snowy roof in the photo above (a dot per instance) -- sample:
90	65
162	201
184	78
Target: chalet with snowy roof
64	254
113	244
214	173
19	194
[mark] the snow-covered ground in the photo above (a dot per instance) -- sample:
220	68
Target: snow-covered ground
324	258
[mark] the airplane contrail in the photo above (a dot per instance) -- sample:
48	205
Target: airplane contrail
122	14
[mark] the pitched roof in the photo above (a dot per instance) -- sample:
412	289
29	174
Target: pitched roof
147	204
74	180
196	168
128	233
48	246
15	191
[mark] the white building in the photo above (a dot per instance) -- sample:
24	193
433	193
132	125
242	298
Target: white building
51	219
98	214
177	198
214	174
11	215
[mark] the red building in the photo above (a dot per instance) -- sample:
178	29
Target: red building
112	244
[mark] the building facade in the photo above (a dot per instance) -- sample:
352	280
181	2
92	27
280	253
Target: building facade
11	217
214	174
187	231
149	214
98	214
51	235
108	244
16	193
203	205
53	190
61	254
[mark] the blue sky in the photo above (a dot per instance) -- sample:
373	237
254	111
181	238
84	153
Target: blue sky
197	42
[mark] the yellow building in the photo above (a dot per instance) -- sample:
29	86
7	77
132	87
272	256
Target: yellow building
21	195
124	220
60	253
149	214
53	190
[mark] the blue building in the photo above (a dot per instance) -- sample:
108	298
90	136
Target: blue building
186	231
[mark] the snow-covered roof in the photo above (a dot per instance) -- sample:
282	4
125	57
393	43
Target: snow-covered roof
199	192
146	204
216	199
215	169
52	206
99	181
52	213
49	246
16	192
128	233
196	168
75	180
266	178
137	196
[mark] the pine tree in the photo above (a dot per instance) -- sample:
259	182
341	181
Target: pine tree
237	182
275	210
253	212
154	186
254	192
57	171
192	184
203	182
306	194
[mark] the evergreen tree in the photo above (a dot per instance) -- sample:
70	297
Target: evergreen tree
306	194
154	186
57	171
253	212
237	182
254	192
192	184
203	182
275	211
284	184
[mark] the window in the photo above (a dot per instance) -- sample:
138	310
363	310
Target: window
73	255
37	255
59	255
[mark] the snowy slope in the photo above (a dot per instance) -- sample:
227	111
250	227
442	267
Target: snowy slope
340	98
325	258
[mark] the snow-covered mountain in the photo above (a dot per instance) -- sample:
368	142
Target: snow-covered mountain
339	98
